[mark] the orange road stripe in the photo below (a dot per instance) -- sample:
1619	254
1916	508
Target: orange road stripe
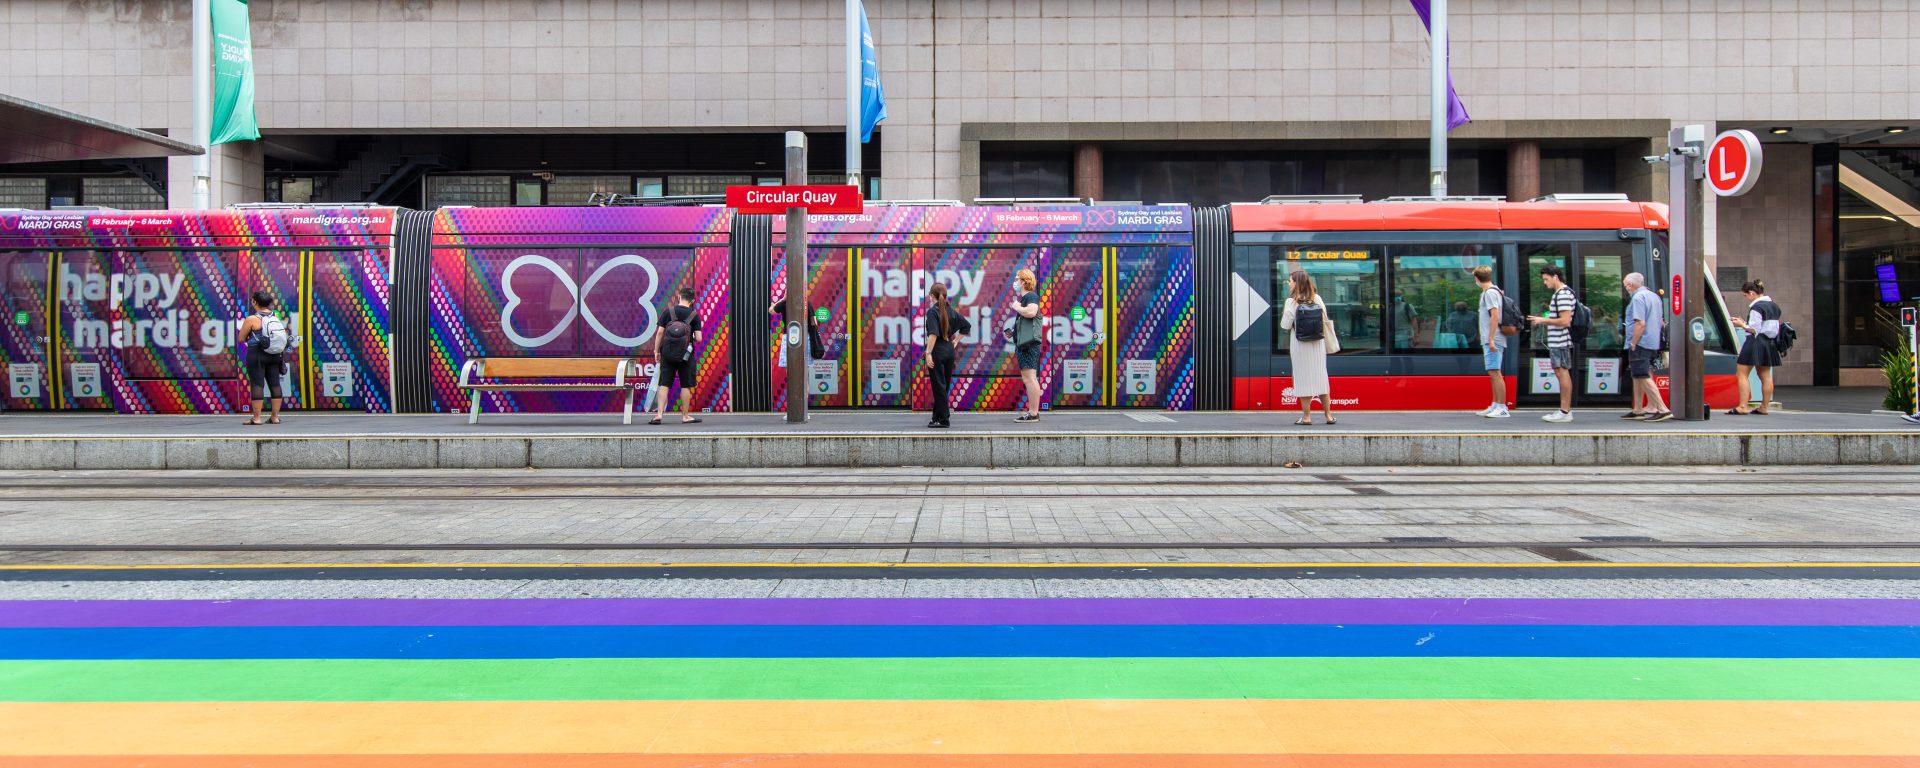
1220	726
961	761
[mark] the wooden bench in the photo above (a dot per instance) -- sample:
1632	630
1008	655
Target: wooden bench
523	374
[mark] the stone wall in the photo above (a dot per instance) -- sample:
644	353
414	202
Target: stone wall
563	65
1769	231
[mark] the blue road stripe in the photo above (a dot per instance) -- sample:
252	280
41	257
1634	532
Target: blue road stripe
537	642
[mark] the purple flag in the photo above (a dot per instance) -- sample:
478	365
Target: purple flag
1456	112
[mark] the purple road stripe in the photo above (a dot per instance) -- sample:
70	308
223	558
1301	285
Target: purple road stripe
953	611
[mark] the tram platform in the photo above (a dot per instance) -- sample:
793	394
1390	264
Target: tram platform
899	438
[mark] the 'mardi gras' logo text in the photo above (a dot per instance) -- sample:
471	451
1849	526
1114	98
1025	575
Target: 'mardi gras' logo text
158	321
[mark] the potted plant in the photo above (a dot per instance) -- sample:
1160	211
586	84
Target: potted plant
1898	366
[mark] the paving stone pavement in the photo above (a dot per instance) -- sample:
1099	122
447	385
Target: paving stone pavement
1378	515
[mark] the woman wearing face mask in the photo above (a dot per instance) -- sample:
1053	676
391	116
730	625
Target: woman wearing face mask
943	326
1026	340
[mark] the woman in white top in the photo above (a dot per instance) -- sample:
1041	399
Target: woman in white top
1304	311
1760	352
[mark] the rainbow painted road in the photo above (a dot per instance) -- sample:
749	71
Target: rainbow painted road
961	682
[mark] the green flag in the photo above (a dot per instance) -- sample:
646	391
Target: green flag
233	118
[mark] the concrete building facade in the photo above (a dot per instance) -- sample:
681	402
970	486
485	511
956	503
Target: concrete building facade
422	102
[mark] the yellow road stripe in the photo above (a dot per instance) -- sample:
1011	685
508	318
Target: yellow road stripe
938	566
968	727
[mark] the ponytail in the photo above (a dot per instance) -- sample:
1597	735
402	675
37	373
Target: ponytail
940	311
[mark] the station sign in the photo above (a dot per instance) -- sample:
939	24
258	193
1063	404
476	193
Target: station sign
1733	162
815	198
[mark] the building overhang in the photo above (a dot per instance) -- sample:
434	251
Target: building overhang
36	133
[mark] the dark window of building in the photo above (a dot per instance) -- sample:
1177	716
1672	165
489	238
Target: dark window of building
1879	253
1026	175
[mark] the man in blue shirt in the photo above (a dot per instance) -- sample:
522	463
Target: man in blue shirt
1644	321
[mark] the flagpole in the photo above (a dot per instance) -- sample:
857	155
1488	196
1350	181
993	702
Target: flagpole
853	94
1437	141
203	103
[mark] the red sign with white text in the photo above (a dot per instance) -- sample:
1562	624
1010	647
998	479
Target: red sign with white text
1679	304
815	198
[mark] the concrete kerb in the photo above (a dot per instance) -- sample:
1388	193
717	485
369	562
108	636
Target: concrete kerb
960	450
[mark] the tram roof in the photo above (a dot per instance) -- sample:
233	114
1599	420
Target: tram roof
1445	215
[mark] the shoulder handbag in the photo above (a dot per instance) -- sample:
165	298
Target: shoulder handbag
1026	330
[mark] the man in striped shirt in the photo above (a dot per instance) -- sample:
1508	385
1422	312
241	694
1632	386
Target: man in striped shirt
1559	322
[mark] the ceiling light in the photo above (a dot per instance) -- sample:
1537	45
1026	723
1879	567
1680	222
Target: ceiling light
1781	131
1897	129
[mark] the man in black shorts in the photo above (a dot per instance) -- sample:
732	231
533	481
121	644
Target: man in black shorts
673	347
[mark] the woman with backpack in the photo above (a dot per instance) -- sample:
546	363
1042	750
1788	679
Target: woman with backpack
267	341
1761	350
1311	340
943	326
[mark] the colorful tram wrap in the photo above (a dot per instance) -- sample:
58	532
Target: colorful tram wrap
1160	306
1116	304
1395	277
136	311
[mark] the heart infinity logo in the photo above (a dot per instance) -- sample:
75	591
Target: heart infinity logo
579	306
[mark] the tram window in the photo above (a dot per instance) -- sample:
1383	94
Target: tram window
1348	279
1434	296
1602	266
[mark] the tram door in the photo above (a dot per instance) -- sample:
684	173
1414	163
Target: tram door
1594	271
27	339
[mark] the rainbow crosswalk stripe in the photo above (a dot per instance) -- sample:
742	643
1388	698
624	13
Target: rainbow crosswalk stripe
960	682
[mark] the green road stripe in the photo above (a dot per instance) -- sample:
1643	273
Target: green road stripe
960	679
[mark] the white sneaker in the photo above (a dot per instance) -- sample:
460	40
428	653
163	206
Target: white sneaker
1558	417
1489	410
1501	413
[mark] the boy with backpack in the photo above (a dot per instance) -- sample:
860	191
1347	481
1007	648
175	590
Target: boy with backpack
673	353
1498	319
1562	326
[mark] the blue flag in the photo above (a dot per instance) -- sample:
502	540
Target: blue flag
1456	112
873	100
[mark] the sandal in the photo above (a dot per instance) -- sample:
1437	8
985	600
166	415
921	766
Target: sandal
689	421
1331	420
1304	422
1738	412
251	423
654	421
273	420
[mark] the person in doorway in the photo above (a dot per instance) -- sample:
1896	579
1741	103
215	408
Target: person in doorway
673	348
1406	322
267	339
1462	328
1493	344
1026	340
1310	340
1760	352
1644	320
1559	322
943	326
816	348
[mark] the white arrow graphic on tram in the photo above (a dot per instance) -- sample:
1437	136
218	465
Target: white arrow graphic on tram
1248	306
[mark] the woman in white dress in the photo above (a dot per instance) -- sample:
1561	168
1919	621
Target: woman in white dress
1306	314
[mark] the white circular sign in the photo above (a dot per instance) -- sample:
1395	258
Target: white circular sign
1733	162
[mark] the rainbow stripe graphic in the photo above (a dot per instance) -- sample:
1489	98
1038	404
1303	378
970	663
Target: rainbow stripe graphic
475	251
1038	683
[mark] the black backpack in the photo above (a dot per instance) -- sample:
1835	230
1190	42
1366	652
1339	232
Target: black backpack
1784	341
676	339
1309	322
1512	322
1582	325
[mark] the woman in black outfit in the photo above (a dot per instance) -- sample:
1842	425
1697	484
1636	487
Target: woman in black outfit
1760	351
943	325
